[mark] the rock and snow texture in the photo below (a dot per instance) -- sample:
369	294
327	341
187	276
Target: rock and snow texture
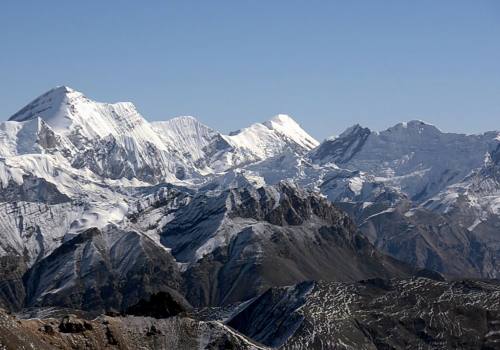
415	192
115	142
191	139
480	190
419	313
370	314
273	235
205	199
92	153
178	239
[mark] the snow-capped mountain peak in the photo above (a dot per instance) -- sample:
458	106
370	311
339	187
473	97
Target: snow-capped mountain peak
113	140
288	127
68	111
342	148
353	130
413	127
270	138
49	106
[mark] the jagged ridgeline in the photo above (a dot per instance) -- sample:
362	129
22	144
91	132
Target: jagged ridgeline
198	239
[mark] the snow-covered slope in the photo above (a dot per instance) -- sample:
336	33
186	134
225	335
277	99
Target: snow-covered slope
43	200
187	135
31	136
268	138
212	152
198	145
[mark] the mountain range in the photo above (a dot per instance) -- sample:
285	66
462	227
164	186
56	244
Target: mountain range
102	210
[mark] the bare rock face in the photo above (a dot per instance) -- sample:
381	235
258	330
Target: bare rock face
258	319
100	271
284	205
369	314
33	189
71	324
343	148
424	239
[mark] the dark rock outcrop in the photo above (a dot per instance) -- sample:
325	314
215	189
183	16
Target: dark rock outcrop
12	293
33	189
160	305
341	149
103	270
71	324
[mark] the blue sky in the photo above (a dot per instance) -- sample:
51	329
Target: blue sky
328	63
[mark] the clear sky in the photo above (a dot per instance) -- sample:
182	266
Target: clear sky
327	63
